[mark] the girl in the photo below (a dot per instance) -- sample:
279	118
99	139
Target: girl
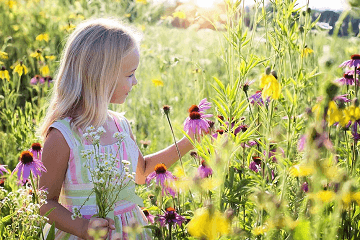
97	68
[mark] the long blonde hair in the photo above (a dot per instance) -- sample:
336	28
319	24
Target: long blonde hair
89	67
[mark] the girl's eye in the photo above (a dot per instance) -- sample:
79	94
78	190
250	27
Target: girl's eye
131	75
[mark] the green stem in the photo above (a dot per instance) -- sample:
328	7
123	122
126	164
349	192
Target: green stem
177	148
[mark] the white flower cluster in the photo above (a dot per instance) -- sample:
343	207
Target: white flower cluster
108	174
76	213
93	134
25	209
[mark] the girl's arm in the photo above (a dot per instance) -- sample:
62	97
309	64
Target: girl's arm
55	158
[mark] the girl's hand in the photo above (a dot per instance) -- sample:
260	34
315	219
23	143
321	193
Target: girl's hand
98	228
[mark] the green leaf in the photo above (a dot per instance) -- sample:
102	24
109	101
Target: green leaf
221	85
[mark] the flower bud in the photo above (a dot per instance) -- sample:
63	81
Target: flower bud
268	70
308	10
273	72
166	109
301	29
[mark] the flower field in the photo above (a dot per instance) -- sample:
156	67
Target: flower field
274	105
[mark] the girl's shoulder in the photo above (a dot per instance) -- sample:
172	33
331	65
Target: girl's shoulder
122	119
63	125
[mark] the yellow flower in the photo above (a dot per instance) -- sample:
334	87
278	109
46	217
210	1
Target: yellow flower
51	58
4	55
346	198
352	113
306	51
68	27
158	82
301	170
37	55
210	183
335	115
15	27
11	4
261	230
141	1
271	87
20	69
4	74
179	14
44	70
128	15
325	196
43	37
356	197
197	70
207	225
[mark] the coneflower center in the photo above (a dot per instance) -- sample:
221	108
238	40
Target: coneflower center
355	57
194	115
256	159
36	147
160	168
194	108
220	131
146	213
26	157
348	76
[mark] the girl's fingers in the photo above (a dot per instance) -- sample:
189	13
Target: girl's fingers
111	223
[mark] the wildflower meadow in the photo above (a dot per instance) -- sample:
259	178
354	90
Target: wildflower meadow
273	103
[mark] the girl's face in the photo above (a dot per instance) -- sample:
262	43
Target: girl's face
127	78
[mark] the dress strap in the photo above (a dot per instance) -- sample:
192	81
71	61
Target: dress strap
64	127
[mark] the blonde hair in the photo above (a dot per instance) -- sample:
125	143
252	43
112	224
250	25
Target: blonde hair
89	67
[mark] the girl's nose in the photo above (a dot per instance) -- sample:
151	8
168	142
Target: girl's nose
134	81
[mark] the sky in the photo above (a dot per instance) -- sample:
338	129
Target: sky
314	4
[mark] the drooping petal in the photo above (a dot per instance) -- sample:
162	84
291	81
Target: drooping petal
150	177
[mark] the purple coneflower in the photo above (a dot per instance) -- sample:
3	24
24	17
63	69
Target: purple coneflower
204	170
196	122
256	98
163	178
36	150
37	79
305	187
26	164
241	128
348	78
353	62
255	165
342	98
170	217
218	132
3	169
149	216
204	105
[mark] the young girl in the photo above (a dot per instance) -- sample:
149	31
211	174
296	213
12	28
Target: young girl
97	68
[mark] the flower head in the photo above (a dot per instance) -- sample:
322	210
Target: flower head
163	178
348	78
256	98
170	216
20	68
306	51
4	74
271	87
37	79
204	170
36	150
197	122
3	169
353	62
149	216
28	164
255	165
208	224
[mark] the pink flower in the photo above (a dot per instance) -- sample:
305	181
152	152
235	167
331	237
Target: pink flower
170	216
28	164
37	79
3	169
163	178
301	143
204	170
148	215
36	150
197	122
353	62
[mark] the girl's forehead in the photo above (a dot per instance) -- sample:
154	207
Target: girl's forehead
131	61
